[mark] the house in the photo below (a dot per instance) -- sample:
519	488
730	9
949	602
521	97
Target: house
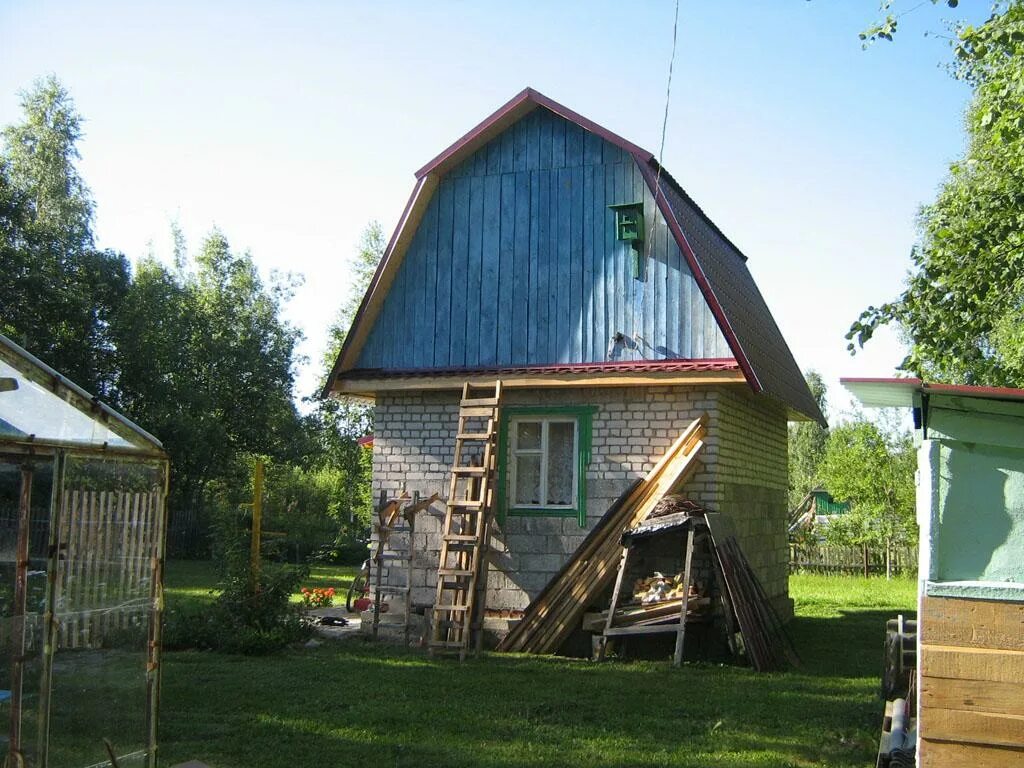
970	621
543	250
815	511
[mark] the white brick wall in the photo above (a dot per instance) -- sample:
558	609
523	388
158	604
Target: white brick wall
414	436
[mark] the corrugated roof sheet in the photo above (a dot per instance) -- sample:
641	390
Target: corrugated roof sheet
624	366
750	322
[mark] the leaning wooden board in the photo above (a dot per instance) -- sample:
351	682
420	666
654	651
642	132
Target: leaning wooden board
551	616
972	682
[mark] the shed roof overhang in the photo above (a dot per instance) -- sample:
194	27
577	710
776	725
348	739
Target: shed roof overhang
900	393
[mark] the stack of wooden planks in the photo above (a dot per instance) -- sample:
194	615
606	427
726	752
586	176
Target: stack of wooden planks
972	682
558	609
632	614
765	641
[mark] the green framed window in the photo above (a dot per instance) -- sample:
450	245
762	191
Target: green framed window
542	461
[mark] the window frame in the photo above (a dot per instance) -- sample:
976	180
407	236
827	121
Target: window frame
581	415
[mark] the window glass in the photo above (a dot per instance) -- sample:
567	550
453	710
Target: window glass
527	490
561	462
528	435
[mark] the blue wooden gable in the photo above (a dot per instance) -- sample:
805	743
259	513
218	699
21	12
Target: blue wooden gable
515	263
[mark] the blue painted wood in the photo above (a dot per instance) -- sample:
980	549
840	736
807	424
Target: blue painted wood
460	273
558	144
587	256
575	264
507	273
474	291
515	262
521	272
542	353
532	315
441	305
491	271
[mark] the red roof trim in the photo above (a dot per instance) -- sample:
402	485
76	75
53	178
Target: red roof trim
366	441
698	275
971	390
525	101
708	365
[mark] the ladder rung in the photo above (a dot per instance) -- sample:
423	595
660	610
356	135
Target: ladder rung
473	402
459	537
468	470
476	411
465	503
453	607
454	572
473	436
447	644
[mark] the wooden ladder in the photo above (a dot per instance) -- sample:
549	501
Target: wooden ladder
458	603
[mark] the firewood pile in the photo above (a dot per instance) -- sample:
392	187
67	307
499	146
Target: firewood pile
658	588
677	504
657	599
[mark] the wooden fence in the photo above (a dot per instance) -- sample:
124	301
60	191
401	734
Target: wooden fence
824	558
109	541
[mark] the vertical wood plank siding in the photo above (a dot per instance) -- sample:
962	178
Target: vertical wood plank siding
516	263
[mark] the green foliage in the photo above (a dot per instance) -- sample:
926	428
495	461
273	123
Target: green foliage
807	446
207	364
248	616
874	471
963	306
59	293
885	28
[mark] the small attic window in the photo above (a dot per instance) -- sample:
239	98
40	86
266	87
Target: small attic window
629	226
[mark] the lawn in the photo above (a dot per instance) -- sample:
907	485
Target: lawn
357	704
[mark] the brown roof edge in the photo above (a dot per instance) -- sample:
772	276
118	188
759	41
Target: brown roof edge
347	344
519	105
698	274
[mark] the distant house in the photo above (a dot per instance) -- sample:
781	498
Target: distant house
546	251
815	511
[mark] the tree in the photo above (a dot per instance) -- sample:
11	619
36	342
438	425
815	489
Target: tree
874	471
207	363
807	446
963	305
58	292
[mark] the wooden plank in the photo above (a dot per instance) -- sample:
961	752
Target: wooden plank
544	134
558	281
944	754
533	140
574	265
599	333
972	623
545	253
507	272
460	274
519	144
474	272
673	297
494	156
534	266
588	257
973	695
521	271
489	281
972	727
506	138
592	148
611	279
573	145
664	302
623	276
985	664
423	289
558	127
442	293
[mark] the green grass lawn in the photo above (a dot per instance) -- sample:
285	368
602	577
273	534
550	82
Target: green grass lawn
357	704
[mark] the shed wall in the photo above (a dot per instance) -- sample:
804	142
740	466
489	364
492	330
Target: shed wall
516	263
743	474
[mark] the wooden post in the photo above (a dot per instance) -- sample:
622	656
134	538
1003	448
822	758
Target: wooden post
411	519
610	620
18	624
257	524
677	659
378	562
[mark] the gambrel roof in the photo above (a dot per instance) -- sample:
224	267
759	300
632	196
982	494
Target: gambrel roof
717	266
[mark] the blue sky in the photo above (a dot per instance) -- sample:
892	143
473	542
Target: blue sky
291	125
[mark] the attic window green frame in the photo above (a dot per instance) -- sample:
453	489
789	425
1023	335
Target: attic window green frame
583	416
629	226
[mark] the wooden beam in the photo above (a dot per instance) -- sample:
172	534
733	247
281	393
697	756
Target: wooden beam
972	623
986	664
973	695
366	388
945	754
972	727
